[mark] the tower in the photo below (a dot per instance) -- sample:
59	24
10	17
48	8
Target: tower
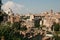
0	4
51	11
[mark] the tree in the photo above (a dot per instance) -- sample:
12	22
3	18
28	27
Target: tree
1	17
37	23
3	30
8	33
56	26
16	25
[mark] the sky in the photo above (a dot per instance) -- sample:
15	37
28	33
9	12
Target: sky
37	6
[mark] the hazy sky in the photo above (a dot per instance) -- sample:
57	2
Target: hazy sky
36	6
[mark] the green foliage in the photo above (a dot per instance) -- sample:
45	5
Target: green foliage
57	37
16	25
56	26
8	23
37	23
3	29
23	28
8	32
1	18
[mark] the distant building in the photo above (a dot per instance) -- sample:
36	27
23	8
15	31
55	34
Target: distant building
11	18
29	24
50	18
17	18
